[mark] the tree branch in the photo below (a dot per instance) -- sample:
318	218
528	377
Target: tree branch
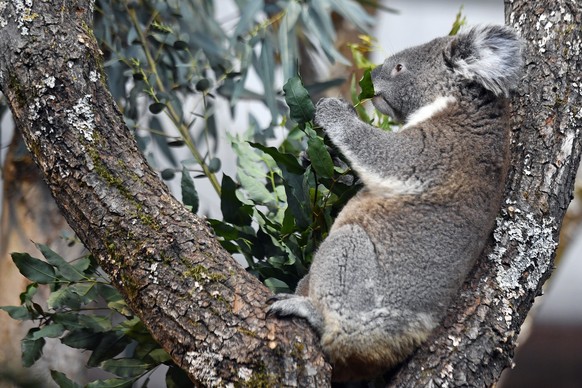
202	307
479	334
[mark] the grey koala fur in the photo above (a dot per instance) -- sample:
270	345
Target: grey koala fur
400	249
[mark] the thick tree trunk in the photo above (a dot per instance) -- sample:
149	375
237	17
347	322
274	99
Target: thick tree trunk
478	337
202	307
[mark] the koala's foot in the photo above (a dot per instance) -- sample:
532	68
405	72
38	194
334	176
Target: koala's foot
290	305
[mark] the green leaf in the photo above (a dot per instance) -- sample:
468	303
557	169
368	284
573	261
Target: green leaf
459	22
255	188
31	348
355	13
180	45
287	39
214	165
247	17
277	285
76	321
87	291
110	345
29	293
34	269
65	269
64	297
63	381
49	331
159	355
82	339
112	383
177	378
168	174
20	313
300	105
266	70
367	86
108	292
189	193
320	157
233	210
157	107
286	162
125	367
81	264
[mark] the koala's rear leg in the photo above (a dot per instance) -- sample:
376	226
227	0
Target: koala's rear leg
343	279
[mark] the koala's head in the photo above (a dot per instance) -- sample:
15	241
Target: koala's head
486	57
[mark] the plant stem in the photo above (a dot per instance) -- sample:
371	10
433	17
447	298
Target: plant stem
171	111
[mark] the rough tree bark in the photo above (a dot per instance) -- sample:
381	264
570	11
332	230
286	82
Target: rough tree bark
204	309
198	303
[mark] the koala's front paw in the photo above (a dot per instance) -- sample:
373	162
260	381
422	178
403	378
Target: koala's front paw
334	115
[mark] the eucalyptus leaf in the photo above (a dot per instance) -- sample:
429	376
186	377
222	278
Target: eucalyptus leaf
157	107
177	378
66	270
300	105
49	331
287	39
125	367
355	13
64	297
82	339
277	285
112	383
31	348
34	269
266	70
29	293
320	158
20	313
366	86
285	161
110	345
247	17
168	174
63	381
81	264
233	210
189	193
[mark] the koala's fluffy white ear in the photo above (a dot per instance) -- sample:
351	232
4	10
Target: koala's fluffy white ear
489	55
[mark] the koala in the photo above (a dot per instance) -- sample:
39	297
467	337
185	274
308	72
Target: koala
399	251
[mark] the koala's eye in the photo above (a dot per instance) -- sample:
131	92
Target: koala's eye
397	69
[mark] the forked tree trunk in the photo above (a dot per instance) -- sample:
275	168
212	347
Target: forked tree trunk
204	309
